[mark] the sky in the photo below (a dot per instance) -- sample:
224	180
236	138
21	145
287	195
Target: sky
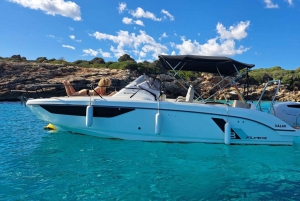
261	32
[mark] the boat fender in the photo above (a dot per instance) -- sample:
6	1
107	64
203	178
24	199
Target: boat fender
227	134
89	116
157	123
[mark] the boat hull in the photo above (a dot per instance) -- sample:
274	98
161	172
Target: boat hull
178	122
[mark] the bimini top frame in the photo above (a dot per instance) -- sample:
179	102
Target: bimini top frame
223	66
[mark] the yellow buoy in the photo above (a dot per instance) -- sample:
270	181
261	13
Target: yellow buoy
50	127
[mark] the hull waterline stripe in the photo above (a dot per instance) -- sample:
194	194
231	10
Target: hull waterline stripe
70	111
294	106
80	110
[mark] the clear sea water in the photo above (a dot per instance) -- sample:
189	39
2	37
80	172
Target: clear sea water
36	164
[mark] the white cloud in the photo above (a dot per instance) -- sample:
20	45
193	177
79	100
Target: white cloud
91	52
143	45
224	44
122	7
139	60
142	54
69	46
71	28
73	38
139	22
104	54
127	43
270	4
290	2
140	13
53	7
172	44
168	14
164	35
119	51
58	39
127	20
237	32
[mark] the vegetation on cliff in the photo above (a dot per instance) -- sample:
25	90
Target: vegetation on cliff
290	78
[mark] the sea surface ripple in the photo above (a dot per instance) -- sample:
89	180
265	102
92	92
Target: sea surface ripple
36	164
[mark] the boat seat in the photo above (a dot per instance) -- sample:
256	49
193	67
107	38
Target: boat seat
240	104
189	96
180	99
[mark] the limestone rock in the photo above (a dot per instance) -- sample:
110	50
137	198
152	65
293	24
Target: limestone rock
27	75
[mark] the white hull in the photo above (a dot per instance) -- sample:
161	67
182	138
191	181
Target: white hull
136	113
179	121
289	112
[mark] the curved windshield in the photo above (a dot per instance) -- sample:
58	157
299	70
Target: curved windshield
137	81
145	81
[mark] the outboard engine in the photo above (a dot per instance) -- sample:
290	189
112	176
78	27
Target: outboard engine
289	112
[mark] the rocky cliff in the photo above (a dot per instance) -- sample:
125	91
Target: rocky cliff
29	75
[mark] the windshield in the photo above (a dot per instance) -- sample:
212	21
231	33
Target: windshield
145	82
137	81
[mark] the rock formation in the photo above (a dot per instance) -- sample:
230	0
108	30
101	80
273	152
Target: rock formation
29	75
24	75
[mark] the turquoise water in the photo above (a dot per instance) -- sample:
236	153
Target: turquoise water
36	164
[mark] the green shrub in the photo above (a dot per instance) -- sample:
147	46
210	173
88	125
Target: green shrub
77	62
125	57
122	65
16	58
60	62
97	60
41	59
147	68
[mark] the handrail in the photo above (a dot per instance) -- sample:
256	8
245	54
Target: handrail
274	97
230	82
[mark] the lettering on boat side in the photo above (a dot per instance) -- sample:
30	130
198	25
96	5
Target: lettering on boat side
256	138
236	133
280	125
221	124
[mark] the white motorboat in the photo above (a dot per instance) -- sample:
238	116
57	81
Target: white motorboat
141	112
289	112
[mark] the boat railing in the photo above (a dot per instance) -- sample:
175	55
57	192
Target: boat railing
220	86
175	68
271	107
